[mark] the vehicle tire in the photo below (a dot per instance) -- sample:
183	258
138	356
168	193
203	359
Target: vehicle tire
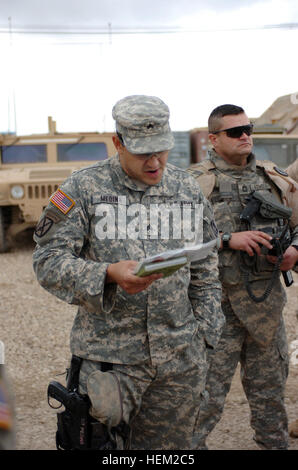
3	239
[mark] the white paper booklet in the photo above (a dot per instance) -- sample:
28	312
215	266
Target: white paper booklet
169	261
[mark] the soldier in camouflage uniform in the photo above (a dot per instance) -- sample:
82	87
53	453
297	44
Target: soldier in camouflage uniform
254	333
151	333
292	171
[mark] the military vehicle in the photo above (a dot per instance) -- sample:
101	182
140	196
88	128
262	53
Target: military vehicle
281	149
33	166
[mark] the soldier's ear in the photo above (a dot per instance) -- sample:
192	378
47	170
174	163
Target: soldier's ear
212	138
117	143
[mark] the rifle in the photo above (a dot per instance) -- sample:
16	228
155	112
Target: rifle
268	208
280	245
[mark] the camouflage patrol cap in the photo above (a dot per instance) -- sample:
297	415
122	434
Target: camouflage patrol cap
143	122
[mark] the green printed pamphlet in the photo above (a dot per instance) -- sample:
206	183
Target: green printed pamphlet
170	261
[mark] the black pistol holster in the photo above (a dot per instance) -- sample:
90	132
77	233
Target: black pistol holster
259	204
76	429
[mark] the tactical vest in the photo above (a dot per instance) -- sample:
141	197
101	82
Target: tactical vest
228	195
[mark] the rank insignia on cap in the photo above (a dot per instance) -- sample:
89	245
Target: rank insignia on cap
280	171
63	202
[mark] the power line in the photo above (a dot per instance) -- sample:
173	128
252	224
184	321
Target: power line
109	30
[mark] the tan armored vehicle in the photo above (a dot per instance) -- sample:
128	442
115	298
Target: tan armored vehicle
33	166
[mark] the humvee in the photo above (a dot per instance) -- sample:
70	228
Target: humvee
33	166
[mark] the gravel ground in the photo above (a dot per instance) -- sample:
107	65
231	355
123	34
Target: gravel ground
35	329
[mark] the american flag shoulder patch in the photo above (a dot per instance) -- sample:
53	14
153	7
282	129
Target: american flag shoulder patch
63	202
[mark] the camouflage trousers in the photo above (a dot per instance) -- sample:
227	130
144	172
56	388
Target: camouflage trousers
160	403
264	373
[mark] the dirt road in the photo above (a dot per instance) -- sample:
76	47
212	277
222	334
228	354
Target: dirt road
35	329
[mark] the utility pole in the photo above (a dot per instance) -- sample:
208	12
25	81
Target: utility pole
11	95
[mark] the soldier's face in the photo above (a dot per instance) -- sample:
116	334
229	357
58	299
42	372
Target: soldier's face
147	170
233	150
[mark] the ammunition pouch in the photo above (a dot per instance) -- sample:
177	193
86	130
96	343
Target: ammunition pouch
76	428
103	390
228	261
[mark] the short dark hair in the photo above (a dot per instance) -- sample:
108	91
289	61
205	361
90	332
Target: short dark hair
220	112
120	138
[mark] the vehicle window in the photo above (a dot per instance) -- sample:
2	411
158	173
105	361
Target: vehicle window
276	152
23	154
78	152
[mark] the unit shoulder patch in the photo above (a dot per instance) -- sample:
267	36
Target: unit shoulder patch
63	202
43	226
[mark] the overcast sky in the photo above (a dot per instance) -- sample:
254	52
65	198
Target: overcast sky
71	59
127	13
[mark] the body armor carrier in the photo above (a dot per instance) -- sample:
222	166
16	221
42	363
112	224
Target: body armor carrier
250	204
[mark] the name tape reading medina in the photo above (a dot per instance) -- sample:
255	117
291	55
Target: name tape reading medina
136	221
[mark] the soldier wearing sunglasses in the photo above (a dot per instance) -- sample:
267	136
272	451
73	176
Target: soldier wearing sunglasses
254	333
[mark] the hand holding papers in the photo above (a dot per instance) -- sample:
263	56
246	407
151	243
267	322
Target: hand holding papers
169	261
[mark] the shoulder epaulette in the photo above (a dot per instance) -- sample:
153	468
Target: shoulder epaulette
278	175
206	178
287	186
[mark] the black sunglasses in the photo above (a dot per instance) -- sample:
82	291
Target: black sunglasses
236	132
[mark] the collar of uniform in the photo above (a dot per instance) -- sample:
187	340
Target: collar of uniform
221	164
122	178
125	180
